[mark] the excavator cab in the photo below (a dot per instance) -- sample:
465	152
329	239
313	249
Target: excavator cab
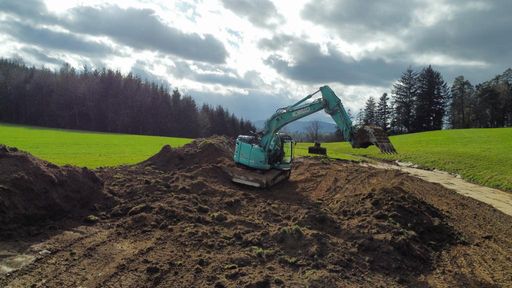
249	154
288	145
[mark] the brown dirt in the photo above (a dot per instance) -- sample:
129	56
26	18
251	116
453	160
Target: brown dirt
33	191
498	199
178	221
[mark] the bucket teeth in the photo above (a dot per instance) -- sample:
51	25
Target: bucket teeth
373	135
381	140
386	148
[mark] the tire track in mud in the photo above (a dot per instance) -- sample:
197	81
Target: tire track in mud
100	251
56	244
57	263
126	273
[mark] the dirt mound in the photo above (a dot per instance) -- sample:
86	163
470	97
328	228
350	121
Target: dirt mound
178	221
32	190
198	152
397	230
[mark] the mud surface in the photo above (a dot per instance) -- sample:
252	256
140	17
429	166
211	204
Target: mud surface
496	198
176	220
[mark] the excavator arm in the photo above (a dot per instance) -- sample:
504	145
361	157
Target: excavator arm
358	137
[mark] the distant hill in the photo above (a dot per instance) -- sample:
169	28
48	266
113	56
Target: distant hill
301	126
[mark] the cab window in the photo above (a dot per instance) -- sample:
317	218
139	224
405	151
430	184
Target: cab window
288	151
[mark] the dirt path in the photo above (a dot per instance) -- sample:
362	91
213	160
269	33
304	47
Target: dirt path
496	198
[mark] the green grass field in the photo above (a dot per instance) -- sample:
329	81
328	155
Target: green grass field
88	149
481	156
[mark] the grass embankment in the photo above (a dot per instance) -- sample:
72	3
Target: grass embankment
89	149
482	156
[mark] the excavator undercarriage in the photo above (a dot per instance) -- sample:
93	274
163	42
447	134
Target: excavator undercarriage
257	178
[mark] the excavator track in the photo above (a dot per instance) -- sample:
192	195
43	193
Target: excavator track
257	178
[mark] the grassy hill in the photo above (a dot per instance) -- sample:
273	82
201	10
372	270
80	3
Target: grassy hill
481	156
88	149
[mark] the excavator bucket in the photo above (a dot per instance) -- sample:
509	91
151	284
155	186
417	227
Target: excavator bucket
372	135
257	178
317	149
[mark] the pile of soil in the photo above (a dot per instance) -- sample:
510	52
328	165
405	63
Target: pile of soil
33	191
179	221
214	150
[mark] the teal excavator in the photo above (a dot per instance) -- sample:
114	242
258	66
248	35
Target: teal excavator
265	158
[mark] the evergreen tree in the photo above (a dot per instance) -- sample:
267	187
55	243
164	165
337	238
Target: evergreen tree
502	108
404	95
105	101
488	108
359	117
462	93
431	100
383	112
349	113
370	112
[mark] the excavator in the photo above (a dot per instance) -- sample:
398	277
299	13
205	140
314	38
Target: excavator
265	158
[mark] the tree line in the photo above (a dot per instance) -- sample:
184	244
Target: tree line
422	101
106	101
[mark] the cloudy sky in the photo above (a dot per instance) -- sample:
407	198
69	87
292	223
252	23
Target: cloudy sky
253	56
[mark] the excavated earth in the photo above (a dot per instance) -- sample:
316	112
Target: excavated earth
176	220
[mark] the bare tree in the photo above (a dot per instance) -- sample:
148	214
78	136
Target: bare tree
313	130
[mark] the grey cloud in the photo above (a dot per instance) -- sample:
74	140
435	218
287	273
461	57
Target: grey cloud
256	105
141	70
48	38
277	42
141	29
361	19
474	31
312	66
226	80
472	34
138	28
261	13
216	75
41	56
29	9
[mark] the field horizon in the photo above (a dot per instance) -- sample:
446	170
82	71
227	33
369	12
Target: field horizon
479	155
